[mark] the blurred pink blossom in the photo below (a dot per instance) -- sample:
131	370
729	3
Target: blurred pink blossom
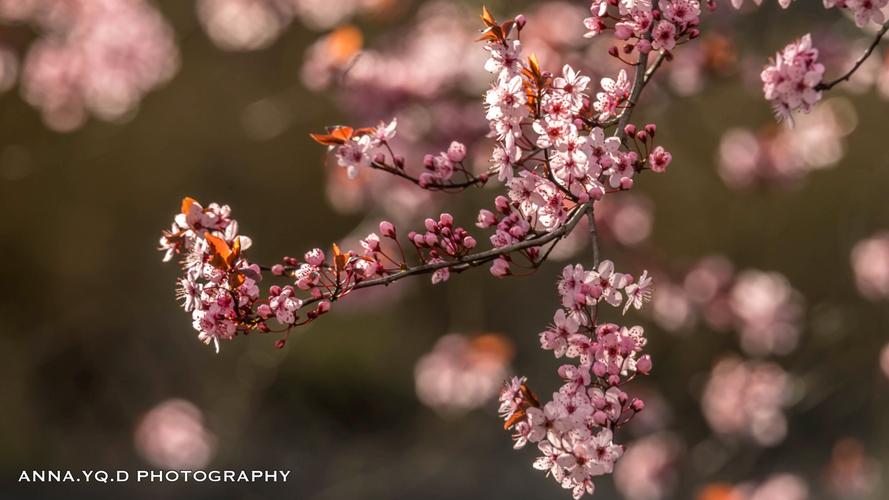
784	155
172	435
747	398
671	308
629	219
768	312
851	473
870	263
462	373
96	56
242	24
647	470
777	487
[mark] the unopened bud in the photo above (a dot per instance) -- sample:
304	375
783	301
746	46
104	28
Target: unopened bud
520	21
387	229
651	128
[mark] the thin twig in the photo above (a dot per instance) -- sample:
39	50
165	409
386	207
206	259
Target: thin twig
433	186
858	63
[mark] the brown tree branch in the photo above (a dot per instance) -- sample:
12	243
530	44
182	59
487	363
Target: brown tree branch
867	53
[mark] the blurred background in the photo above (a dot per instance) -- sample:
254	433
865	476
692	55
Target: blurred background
769	247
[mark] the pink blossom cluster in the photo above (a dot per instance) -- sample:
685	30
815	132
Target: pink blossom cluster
365	148
747	399
550	152
790	81
645	25
92	56
220	288
574	431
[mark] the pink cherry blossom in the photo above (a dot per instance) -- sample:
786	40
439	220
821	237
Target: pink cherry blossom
791	79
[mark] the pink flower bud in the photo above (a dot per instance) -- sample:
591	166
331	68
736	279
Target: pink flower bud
638	405
613	380
278	270
643	365
430	225
387	229
446	219
502	204
428	161
469	242
279	344
323	307
630	130
622	397
651	128
379	158
644	46
520	21
275	290
399	162
456	152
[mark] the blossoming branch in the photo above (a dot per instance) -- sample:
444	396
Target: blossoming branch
559	147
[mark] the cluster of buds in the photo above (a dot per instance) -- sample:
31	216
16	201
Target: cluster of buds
441	241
